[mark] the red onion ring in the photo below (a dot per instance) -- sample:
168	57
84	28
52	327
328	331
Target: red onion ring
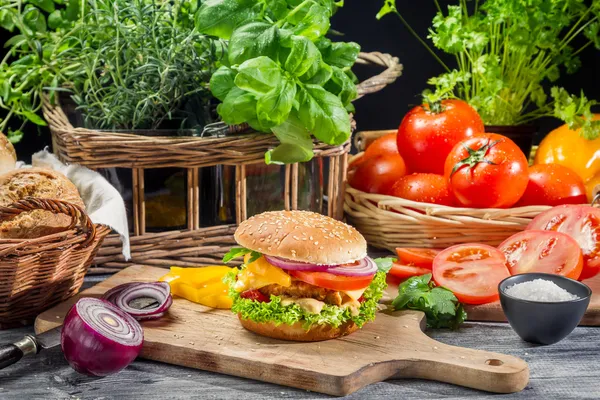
98	338
364	267
295	265
123	294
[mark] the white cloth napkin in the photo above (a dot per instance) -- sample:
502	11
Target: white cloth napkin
103	202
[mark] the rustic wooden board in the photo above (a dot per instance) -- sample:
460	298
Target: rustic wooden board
394	346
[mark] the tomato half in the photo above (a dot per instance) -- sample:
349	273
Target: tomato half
487	171
416	256
382	146
471	271
582	223
424	188
406	271
428	133
543	251
377	174
553	185
331	281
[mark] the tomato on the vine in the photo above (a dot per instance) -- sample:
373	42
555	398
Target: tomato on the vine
428	133
424	188
377	174
487	171
382	146
553	185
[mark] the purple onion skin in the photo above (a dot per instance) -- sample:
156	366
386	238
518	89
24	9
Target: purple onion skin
91	353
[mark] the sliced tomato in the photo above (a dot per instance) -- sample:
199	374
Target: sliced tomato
471	271
400	270
582	223
418	257
543	251
333	282
254	294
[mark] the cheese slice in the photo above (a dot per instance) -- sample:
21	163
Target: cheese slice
354	294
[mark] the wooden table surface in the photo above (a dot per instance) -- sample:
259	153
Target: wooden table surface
567	370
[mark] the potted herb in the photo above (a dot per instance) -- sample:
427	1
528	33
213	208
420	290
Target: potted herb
506	51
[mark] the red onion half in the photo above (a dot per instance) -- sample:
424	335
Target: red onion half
364	267
98	339
122	295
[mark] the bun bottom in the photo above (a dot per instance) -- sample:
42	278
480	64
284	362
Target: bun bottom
296	332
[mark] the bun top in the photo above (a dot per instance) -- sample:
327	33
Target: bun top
302	236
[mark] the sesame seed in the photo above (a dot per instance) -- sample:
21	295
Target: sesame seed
321	247
316	243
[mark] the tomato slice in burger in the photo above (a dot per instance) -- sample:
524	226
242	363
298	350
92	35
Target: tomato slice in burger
402	271
582	223
418	257
543	251
331	281
471	271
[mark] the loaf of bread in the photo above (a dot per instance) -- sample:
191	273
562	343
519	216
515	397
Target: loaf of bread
41	183
8	157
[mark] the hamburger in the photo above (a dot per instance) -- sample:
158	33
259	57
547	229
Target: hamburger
305	277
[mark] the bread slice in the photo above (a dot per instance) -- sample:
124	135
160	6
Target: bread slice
40	183
8	157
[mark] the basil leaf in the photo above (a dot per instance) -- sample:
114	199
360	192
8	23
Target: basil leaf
303	56
277	9
259	75
317	75
323	114
46	5
238	107
253	40
236	252
274	107
34	19
296	143
55	19
342	85
221	82
220	17
312	24
341	54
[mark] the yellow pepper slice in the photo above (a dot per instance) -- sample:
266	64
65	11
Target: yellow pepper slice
200	285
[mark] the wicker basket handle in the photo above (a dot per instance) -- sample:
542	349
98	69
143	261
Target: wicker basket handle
376	83
56	207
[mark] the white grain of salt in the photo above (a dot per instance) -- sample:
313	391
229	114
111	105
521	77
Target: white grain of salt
540	290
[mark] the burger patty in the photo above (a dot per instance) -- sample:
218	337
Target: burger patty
303	290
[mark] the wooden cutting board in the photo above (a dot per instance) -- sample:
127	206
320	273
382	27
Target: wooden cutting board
393	346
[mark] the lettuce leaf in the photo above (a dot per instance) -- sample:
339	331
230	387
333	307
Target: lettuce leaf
330	315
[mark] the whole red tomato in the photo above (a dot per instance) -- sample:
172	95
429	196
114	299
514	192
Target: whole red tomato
377	174
425	188
427	134
487	171
384	145
553	185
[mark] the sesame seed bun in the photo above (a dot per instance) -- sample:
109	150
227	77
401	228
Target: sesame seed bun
302	236
296	332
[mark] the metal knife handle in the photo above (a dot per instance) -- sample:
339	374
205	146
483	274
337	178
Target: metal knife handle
11	353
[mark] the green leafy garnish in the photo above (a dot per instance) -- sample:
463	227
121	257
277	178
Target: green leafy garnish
238	252
439	304
274	312
384	264
282	76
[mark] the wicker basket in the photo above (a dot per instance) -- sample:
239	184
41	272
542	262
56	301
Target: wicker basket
139	153
389	222
39	273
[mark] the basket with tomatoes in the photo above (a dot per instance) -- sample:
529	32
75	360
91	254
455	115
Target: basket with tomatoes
441	180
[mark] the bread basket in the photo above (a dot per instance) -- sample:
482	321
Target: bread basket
41	272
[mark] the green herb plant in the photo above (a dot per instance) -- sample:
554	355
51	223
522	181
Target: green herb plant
126	63
439	304
505	51
282	74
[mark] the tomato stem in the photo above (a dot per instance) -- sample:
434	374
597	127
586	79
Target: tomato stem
475	156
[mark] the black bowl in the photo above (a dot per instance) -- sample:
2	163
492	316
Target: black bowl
544	322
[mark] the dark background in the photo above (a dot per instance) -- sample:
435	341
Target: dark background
384	110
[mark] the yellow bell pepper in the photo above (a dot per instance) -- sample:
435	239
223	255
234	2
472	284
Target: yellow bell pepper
259	274
201	285
564	146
